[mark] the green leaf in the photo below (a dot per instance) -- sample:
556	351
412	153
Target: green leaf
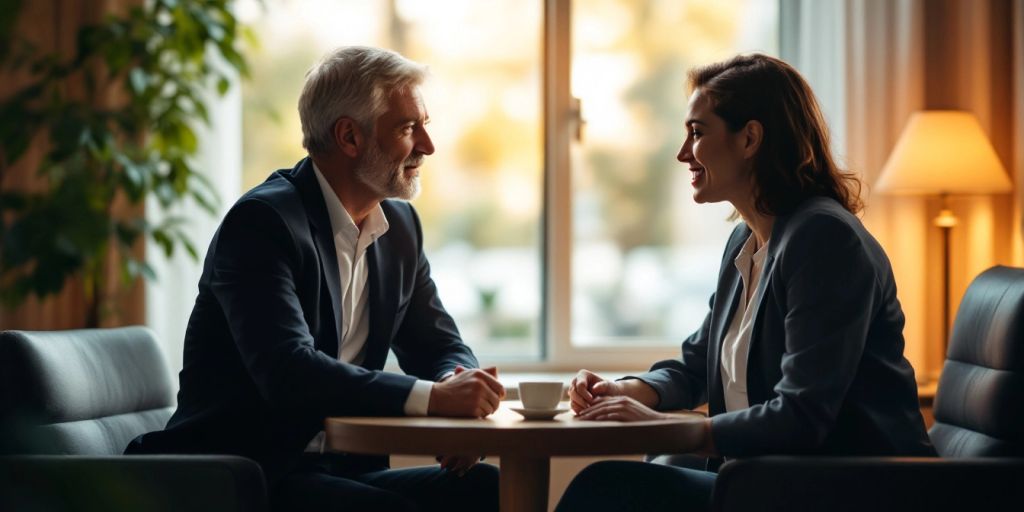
164	241
126	233
147	271
189	142
134	268
190	248
223	85
199	108
207	204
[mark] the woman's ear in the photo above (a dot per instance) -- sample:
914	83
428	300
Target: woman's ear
348	136
753	134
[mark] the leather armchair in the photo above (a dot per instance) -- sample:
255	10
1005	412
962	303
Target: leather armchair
978	431
872	484
70	401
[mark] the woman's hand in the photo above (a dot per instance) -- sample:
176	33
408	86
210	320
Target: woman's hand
619	408
587	386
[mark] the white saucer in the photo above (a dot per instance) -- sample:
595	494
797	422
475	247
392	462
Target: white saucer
539	414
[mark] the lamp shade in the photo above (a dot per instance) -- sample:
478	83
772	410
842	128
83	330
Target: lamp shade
943	152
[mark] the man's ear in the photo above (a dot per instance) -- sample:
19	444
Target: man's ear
753	135
348	136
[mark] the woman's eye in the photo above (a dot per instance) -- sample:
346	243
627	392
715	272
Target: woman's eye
695	134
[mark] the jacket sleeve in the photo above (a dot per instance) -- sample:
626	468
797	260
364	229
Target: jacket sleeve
683	383
257	265
828	290
428	344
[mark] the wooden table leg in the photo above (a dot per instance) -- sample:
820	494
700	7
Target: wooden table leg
524	483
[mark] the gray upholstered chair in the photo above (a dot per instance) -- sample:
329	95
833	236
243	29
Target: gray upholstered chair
978	431
70	401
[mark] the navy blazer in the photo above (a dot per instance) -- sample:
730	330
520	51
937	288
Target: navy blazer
261	368
825	369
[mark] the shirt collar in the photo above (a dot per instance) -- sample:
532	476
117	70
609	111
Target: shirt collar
375	224
747	253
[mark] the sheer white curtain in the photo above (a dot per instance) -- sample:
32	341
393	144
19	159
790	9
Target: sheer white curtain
872	63
169	299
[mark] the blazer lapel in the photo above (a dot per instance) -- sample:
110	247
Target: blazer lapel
320	225
727	298
763	282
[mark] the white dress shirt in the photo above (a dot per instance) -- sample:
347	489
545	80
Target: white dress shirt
350	244
736	344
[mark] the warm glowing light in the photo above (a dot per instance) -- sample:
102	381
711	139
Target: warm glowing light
519	195
943	152
601	80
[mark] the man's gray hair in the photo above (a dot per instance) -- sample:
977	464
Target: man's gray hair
354	82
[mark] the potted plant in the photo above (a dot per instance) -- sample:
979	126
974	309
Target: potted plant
116	121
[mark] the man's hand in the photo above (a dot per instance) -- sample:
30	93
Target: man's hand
468	393
457	464
620	408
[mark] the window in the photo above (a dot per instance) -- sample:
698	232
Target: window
548	248
645	257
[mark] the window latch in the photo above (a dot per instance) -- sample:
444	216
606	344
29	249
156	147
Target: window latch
576	116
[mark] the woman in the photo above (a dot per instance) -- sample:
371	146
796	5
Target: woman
802	351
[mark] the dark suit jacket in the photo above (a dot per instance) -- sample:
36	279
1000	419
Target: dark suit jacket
825	371
260	369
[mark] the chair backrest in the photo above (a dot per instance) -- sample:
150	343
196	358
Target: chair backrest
979	404
81	392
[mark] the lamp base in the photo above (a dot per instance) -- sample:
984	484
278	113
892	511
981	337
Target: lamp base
945	221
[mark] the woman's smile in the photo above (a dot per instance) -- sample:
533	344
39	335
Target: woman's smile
696	173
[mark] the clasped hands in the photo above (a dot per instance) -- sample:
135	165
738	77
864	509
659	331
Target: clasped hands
595	398
598	399
472	393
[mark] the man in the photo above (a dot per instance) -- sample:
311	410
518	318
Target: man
309	281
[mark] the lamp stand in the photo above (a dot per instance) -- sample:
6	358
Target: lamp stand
945	220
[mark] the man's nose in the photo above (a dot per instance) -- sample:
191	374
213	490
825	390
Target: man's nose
424	144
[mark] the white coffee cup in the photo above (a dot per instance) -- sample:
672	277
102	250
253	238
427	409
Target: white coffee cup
540	394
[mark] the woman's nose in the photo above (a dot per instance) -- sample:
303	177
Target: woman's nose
685	154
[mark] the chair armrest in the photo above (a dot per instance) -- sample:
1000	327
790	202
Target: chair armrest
876	484
679	460
131	482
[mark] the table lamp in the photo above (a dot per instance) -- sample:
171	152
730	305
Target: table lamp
943	152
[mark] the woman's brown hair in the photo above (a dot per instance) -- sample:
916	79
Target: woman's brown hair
795	160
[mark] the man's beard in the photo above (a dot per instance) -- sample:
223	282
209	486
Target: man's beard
386	178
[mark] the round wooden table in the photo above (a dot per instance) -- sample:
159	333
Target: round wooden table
525	447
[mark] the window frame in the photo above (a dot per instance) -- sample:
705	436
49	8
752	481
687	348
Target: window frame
561	119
